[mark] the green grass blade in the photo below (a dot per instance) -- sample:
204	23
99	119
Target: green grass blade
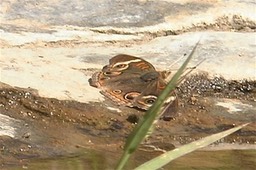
142	128
165	158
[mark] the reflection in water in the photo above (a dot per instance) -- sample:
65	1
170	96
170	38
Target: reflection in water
221	159
89	160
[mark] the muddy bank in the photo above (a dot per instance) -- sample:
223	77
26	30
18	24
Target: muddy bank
49	127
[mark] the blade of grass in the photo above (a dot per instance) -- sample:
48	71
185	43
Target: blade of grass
141	130
165	158
185	74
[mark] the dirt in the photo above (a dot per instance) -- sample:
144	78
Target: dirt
54	127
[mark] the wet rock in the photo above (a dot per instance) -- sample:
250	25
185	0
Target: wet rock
133	119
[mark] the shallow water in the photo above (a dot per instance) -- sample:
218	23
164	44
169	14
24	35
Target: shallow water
199	160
